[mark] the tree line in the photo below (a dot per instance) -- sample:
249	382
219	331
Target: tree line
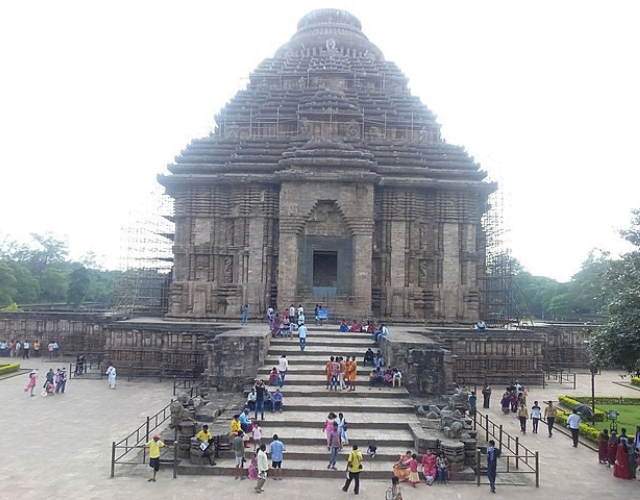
40	272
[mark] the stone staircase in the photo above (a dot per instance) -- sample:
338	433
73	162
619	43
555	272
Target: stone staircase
383	415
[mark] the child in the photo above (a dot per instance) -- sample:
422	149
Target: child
372	449
253	467
414	477
257	436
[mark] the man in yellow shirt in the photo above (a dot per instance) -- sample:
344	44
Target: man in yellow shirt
205	440
235	425
154	455
354	466
550	413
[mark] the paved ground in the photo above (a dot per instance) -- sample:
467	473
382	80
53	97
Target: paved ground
58	447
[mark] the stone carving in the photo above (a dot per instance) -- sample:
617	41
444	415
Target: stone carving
228	269
424	135
353	131
305	127
375	132
423	267
331	44
180	410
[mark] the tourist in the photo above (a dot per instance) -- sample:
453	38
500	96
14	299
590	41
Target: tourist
335	374
486	395
327	370
621	468
623	438
274	377
493	454
334	444
245	420
603	447
352	373
245	314
383	331
50	349
276	450
481	326
376	378
252	471
523	416
235	425
368	357
80	365
277	401
205	442
112	374
251	399
328	426
238	449
401	467
260	398
473	402
343	369
154	455
25	349
282	368
356	327
414	477
550	413
263	467
371	327
61	382
442	465
36	348
270	314
536	414
388	376
378	360
372	449
256	434
300	312
394	492
56	349
397	378
513	399
302	336
429	467
49	378
342	428
612	449
343	326
4	349
573	423
16	349
354	466
518	388
32	382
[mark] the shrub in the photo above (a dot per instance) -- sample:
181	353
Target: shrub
608	400
635	381
569	403
10	368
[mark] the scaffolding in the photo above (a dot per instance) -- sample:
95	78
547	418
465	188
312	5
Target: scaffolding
498	309
146	257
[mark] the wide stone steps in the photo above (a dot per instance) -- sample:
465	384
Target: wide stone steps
356	420
308	436
327	342
319	350
362	391
319	379
347	404
320	452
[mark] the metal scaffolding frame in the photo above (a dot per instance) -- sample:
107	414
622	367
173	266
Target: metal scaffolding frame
146	257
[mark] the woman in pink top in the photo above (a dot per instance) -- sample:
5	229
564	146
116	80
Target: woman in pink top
32	383
328	427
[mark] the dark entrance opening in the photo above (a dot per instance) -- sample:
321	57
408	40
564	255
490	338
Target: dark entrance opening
325	269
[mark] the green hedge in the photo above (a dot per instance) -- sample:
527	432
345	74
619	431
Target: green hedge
10	368
586	431
569	403
608	400
635	381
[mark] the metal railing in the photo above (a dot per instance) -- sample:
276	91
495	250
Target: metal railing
521	455
561	376
134	439
188	385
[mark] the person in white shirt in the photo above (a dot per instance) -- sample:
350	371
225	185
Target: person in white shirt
263	467
111	372
292	312
397	377
302	336
536	414
573	422
282	368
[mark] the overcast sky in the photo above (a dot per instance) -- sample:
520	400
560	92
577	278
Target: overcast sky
96	98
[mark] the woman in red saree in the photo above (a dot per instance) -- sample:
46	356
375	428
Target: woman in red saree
613	448
603	447
621	469
401	468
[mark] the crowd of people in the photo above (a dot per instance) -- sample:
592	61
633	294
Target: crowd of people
620	452
26	349
54	383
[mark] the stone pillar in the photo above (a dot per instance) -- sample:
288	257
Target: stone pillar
255	277
451	303
398	269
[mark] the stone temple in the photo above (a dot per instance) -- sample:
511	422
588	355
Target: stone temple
326	182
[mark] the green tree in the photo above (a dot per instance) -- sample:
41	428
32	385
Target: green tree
54	284
8	284
79	286
617	342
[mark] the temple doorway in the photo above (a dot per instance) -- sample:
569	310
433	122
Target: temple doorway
325	268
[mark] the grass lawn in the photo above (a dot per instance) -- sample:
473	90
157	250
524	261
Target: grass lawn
628	417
